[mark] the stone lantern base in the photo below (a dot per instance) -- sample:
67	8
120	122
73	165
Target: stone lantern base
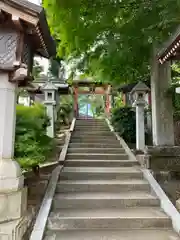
164	162
160	158
14	230
13	206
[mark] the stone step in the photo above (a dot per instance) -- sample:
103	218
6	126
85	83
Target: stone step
92	124
137	218
97	156
95	145
90	120
94	140
93	129
96	150
99	163
100	173
85	127
94	200
92	133
111	186
111	234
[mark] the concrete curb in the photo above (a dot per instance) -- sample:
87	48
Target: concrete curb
40	223
166	204
67	140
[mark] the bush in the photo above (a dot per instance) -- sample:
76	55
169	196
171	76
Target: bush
124	121
32	145
64	111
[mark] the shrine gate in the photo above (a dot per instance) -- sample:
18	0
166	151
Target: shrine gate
88	86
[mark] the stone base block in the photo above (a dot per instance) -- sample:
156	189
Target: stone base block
13	205
161	158
15	230
11	178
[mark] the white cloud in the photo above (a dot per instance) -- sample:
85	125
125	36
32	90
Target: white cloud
38	2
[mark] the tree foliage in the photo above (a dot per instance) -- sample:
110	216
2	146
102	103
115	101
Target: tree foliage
32	145
65	110
54	68
37	69
111	39
124	121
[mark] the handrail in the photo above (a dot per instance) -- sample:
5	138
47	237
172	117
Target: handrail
72	125
166	204
41	220
67	140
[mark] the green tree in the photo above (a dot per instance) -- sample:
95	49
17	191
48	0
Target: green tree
111	39
37	69
176	72
54	68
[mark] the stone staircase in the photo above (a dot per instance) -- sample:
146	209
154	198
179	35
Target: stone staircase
101	193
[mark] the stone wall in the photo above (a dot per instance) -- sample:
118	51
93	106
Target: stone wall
164	162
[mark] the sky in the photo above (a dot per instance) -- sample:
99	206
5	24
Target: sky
35	1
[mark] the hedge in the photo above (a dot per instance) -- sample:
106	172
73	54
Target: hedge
124	121
32	145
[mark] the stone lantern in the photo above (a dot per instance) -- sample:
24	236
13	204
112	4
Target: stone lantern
138	93
50	92
23	33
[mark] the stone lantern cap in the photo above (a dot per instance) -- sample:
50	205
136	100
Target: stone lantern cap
49	86
29	19
140	87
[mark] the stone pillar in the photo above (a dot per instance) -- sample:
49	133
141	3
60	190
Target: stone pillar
107	101
149	121
57	98
50	103
76	109
13	195
50	112
107	104
162	110
140	130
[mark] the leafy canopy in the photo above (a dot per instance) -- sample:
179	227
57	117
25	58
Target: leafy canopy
37	69
111	39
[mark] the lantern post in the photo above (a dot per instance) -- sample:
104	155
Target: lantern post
138	93
50	92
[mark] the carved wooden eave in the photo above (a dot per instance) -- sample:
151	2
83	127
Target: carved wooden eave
171	48
30	19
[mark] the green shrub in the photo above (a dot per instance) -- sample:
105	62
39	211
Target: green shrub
32	145
124	121
64	111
